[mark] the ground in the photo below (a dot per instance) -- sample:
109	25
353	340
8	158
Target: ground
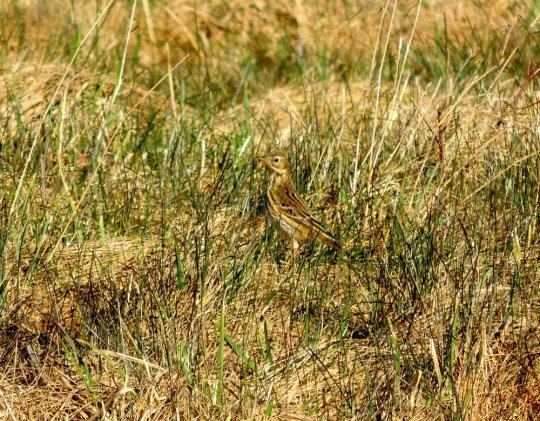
139	276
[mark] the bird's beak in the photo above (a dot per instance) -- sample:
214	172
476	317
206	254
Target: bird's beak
263	159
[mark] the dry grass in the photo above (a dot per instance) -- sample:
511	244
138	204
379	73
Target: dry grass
138	277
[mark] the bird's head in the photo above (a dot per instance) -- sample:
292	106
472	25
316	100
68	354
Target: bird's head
277	162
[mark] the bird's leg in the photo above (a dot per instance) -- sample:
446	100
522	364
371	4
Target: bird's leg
295	247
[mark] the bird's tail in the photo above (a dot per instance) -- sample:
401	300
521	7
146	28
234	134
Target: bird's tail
330	241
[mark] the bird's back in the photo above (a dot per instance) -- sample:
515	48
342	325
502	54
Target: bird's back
291	214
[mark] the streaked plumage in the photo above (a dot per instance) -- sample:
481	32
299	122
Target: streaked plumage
287	209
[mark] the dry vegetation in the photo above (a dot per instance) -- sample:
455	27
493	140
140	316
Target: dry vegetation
138	278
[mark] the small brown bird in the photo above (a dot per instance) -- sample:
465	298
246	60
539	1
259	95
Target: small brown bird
287	209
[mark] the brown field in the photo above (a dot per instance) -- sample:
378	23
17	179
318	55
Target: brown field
139	277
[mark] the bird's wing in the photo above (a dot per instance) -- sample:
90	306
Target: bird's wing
292	206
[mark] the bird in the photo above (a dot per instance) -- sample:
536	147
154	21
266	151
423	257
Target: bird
288	210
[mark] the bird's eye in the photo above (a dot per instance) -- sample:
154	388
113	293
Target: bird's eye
276	159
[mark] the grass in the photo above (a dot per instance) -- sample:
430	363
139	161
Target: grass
139	278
